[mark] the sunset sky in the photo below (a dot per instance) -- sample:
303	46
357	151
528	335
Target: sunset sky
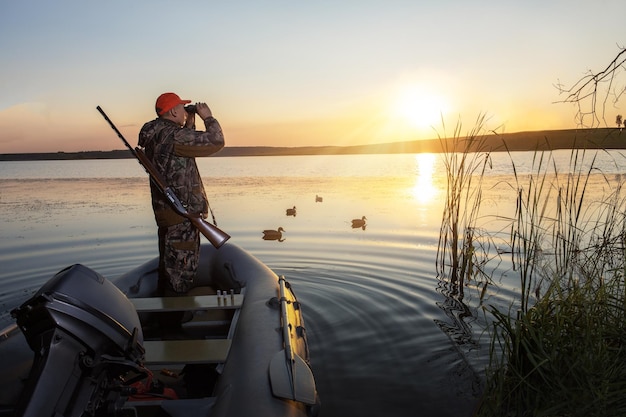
293	73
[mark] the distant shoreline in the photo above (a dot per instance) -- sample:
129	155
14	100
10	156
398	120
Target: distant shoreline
599	138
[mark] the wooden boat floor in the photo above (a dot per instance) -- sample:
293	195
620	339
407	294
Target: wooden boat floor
169	352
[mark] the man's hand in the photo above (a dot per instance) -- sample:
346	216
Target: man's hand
203	110
190	120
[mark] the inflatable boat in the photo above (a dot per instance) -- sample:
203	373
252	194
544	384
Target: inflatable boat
235	345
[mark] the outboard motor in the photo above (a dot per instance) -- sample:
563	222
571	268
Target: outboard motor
87	339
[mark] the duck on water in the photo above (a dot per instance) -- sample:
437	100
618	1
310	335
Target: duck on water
356	223
270	234
85	345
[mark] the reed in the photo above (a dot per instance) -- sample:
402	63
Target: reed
465	158
562	350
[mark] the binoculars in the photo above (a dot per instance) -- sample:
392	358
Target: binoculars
190	108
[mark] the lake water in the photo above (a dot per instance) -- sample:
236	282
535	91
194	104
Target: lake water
387	336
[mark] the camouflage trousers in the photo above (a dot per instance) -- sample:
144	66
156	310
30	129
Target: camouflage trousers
179	252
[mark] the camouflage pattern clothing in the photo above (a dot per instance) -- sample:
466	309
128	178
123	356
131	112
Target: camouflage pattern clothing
172	149
179	246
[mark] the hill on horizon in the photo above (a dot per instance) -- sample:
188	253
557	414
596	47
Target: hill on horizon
592	138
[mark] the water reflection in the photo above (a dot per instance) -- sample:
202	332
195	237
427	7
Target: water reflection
370	296
424	189
270	234
458	328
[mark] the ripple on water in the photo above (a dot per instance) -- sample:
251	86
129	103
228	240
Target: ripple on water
372	333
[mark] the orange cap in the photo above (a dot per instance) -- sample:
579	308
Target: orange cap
168	101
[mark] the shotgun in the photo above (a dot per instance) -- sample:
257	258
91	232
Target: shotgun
214	235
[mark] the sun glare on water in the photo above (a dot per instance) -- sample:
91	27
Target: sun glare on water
424	189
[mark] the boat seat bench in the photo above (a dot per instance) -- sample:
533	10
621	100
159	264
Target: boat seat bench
191	351
168	352
187	303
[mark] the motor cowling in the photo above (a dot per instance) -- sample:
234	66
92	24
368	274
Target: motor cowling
86	335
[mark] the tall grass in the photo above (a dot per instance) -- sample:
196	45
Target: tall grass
465	160
528	225
562	352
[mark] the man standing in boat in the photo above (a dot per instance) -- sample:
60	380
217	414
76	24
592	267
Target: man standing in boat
172	143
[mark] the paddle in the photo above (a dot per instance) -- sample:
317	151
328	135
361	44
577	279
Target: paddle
290	375
214	235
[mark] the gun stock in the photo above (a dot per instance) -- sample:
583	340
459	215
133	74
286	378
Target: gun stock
213	234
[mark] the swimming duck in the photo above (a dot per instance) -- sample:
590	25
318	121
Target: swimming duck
359	222
318	199
273	234
291	211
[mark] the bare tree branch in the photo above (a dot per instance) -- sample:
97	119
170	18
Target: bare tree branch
592	92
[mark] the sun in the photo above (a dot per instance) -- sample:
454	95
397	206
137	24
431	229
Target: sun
419	106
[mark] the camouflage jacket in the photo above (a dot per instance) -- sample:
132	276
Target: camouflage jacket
172	149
